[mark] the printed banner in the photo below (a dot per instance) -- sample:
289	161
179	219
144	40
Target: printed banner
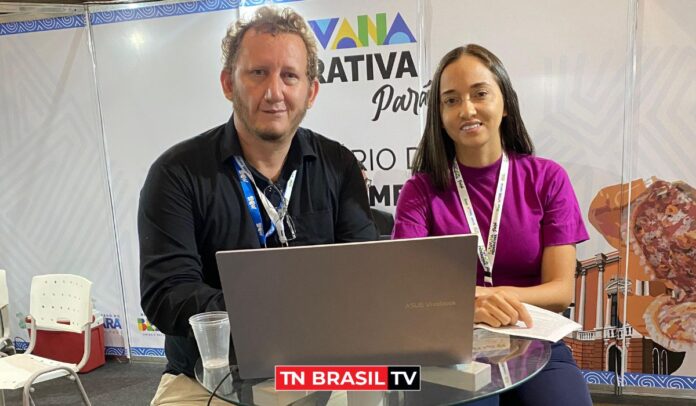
372	85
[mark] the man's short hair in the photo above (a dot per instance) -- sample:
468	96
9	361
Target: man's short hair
272	21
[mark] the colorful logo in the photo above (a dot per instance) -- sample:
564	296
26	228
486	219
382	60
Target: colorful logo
377	30
145	325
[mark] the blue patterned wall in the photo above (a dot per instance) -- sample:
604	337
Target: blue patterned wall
117	16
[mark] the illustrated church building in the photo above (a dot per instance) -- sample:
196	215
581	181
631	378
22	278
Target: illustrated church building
598	305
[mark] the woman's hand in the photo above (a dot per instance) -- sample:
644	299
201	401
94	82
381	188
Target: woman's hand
497	307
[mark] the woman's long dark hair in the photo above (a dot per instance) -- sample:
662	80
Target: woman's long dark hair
436	149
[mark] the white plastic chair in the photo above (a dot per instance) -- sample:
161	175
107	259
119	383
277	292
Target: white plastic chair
5	340
60	303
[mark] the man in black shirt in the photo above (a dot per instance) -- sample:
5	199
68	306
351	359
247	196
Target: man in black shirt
257	181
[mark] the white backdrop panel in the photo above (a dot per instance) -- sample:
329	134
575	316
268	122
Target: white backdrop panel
55	210
159	84
665	113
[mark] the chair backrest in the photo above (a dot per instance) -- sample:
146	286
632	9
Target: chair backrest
61	302
4	303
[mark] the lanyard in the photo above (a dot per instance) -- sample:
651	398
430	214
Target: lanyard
486	254
247	181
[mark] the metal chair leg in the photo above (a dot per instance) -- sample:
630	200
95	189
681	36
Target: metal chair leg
81	388
26	396
27	386
27	400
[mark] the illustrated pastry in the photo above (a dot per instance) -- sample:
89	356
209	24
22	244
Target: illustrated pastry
672	324
663	235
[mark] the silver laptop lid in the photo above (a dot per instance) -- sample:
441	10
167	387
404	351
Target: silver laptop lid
400	302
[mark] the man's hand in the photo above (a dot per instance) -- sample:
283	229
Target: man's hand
497	307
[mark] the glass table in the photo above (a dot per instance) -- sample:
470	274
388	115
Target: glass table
513	360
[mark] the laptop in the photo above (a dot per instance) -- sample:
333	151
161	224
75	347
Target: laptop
398	302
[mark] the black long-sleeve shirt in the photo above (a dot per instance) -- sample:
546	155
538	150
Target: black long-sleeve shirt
192	205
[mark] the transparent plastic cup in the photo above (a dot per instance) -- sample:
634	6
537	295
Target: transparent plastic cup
212	332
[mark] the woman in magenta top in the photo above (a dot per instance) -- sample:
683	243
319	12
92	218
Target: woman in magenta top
475	167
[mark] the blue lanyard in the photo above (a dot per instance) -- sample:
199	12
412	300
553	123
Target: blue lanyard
250	199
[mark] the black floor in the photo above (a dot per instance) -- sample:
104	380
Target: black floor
134	383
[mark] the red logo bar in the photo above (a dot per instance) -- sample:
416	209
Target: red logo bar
329	378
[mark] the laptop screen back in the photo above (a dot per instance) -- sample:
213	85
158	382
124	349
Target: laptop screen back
399	302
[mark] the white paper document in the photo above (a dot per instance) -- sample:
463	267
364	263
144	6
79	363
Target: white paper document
546	325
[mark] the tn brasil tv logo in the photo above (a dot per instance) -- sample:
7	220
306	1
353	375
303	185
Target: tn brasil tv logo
347	377
370	31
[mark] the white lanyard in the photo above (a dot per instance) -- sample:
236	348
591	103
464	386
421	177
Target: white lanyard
486	255
273	215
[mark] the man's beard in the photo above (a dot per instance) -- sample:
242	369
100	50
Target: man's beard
242	113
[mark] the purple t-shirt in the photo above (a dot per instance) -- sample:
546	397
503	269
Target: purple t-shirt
540	209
